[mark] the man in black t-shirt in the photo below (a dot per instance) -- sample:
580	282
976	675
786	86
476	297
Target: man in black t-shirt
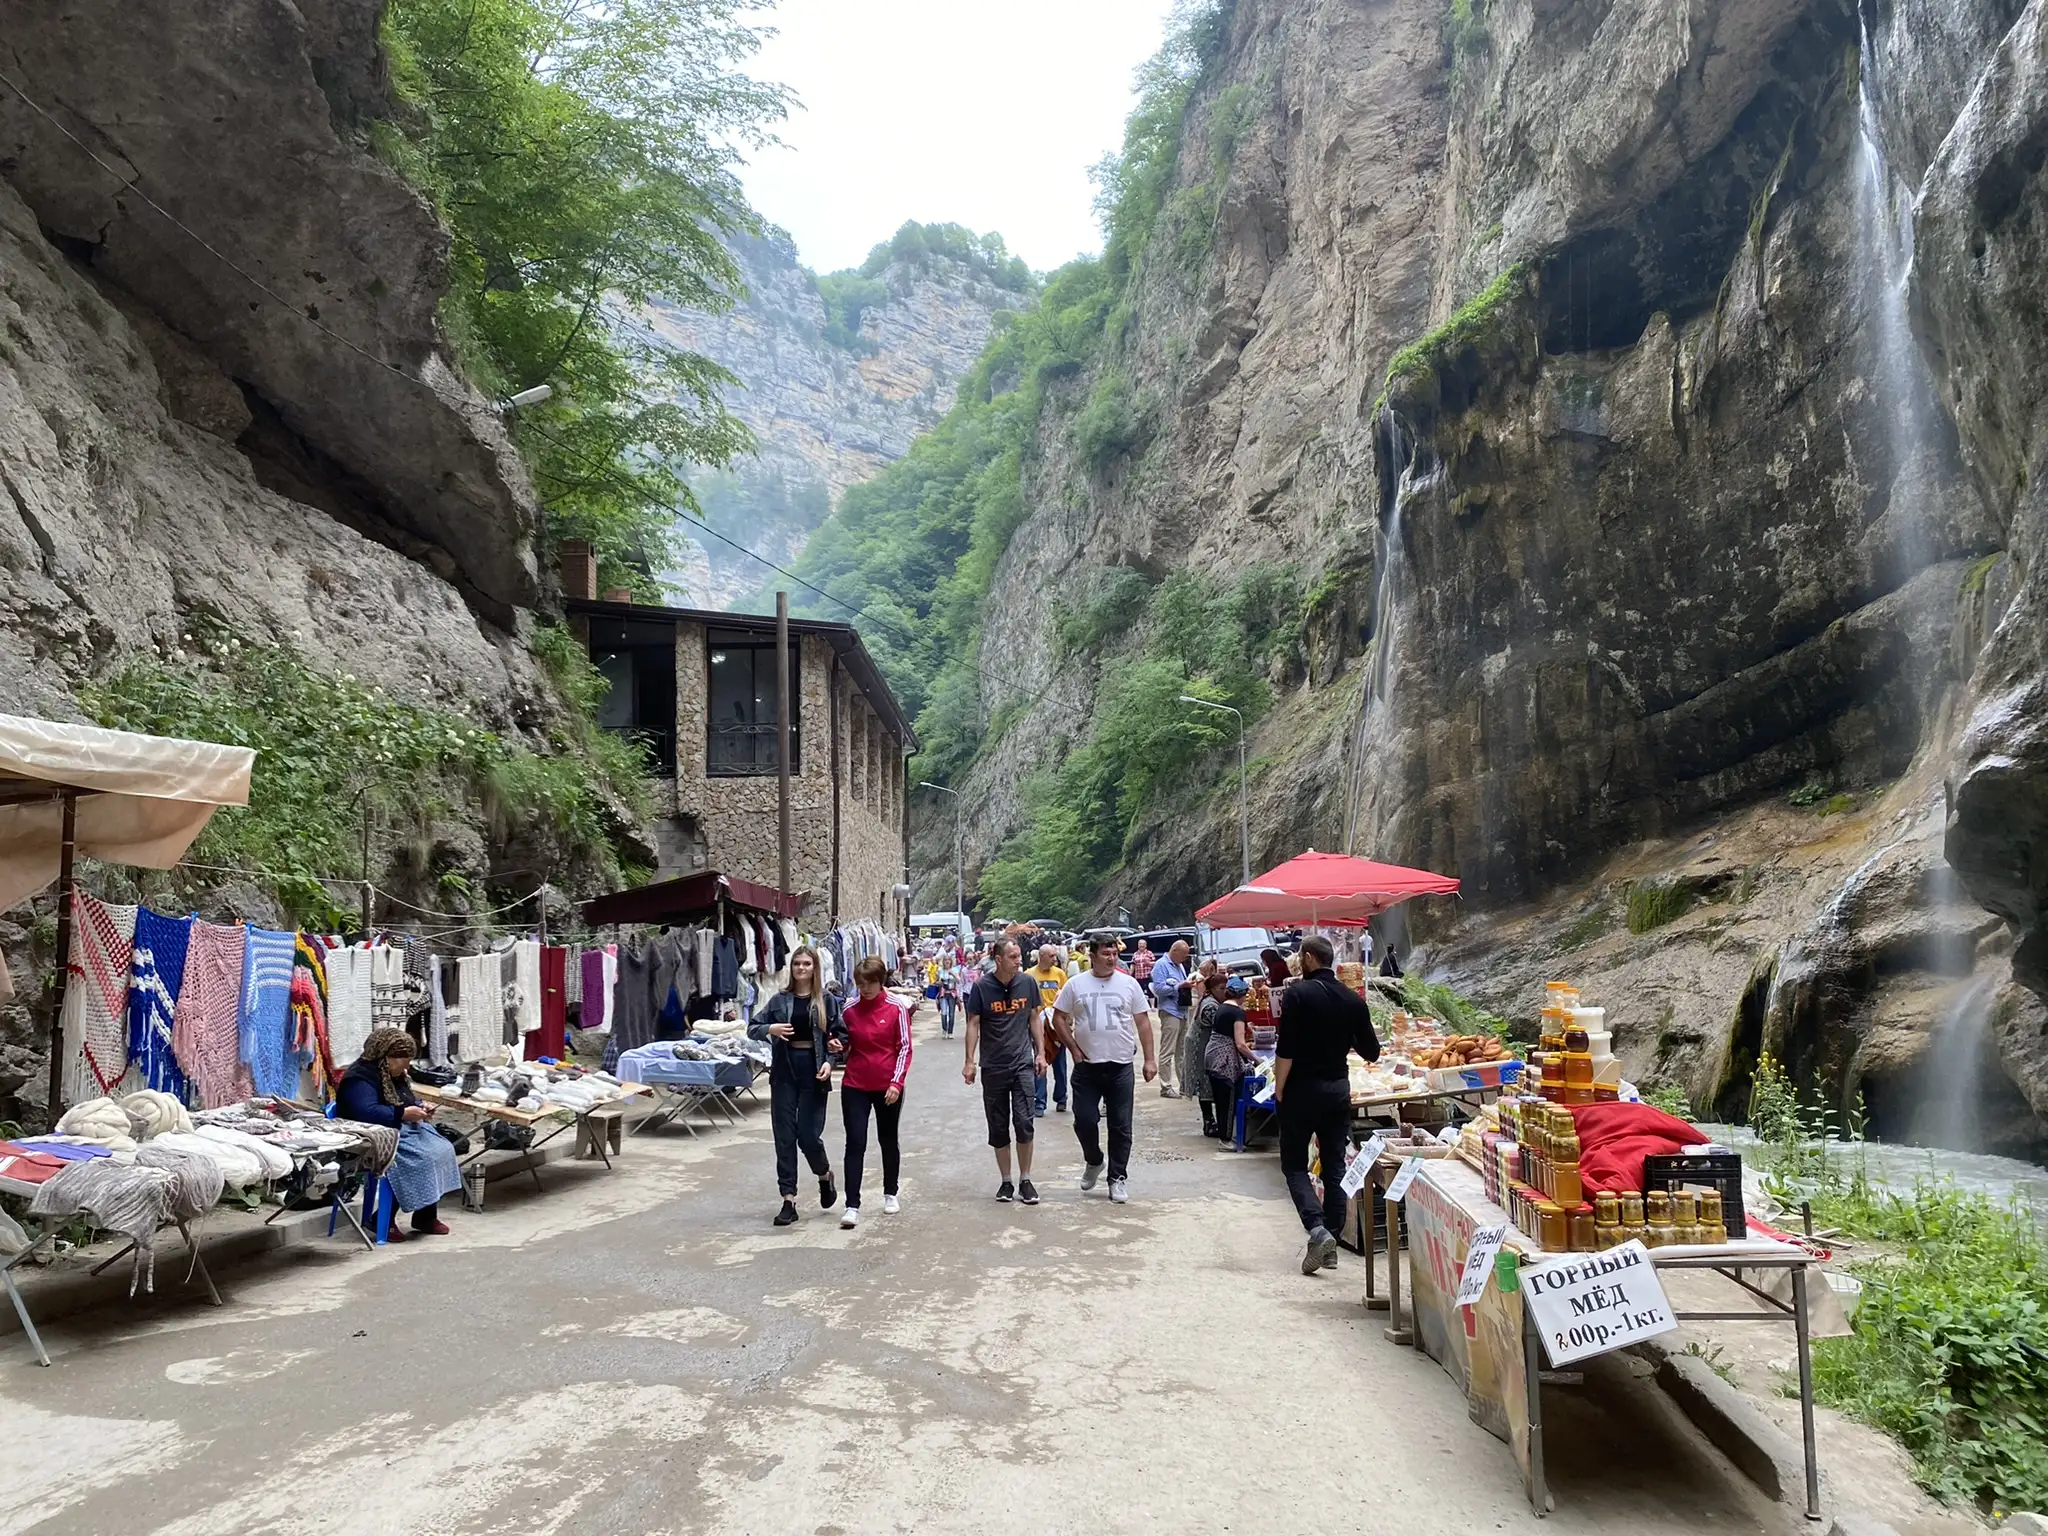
1006	1041
1321	1024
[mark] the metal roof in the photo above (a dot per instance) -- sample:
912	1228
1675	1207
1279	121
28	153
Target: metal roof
843	638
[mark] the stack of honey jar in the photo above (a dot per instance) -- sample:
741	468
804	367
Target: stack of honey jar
1565	1066
1531	1167
1658	1219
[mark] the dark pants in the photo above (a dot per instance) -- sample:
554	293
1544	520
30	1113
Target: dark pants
796	1104
854	1105
1006	1101
1321	1110
1099	1085
1224	1091
1058	1073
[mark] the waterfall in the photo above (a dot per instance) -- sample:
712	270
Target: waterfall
1951	1109
1902	388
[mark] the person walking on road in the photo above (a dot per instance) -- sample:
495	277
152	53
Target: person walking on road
1142	961
1006	1045
1050	976
1169	975
799	1022
949	990
1323	1022
875	1040
1102	1017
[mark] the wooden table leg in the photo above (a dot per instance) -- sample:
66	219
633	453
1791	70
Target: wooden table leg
1398	1331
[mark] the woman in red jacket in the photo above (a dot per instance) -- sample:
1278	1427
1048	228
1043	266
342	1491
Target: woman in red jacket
876	1045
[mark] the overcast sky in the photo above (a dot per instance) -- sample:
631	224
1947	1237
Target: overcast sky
986	113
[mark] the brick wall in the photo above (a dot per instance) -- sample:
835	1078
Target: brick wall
737	816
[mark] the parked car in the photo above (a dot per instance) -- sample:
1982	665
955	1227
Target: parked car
1236	950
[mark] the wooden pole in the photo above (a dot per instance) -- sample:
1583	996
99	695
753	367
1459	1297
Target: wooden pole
782	733
832	693
66	898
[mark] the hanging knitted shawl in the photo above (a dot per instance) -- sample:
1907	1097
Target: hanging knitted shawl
597	995
349	1016
96	996
309	1014
203	1031
390	1006
524	975
156	976
263	1023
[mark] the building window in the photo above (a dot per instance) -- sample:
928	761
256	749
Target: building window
638	659
740	730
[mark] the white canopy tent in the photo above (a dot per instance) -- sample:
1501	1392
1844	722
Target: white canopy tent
113	795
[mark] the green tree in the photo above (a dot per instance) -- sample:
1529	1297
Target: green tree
582	156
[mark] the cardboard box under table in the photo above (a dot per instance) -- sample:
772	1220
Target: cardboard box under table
1493	1350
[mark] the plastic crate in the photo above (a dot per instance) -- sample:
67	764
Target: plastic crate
1718	1171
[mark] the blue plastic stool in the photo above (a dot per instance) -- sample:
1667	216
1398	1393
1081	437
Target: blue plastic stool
380	1202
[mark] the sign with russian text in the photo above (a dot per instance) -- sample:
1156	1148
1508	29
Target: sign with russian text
1479	1262
1399	1187
1360	1167
1591	1303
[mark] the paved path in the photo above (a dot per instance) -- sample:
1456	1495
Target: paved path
641	1351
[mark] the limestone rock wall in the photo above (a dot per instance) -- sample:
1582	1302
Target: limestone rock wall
826	416
1692	544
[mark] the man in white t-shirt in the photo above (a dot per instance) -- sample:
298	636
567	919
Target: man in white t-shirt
1103	1017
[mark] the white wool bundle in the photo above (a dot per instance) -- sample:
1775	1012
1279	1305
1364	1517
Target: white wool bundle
156	1113
97	1120
239	1168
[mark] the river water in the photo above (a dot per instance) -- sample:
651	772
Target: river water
1897	1167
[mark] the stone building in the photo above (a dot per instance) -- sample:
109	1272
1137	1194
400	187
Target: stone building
698	688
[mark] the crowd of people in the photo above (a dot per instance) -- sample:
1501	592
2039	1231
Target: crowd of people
1079	1027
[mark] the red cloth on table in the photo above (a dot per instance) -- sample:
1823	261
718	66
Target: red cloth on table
29	1166
552	1038
1615	1138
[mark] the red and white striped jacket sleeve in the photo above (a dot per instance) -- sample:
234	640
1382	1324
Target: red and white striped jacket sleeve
896	1078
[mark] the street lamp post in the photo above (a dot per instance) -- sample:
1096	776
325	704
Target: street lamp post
959	846
1244	815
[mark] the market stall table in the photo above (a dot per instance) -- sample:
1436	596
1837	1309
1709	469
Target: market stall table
1496	1350
28	1189
529	1119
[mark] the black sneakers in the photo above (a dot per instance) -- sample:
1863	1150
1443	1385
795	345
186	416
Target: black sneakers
1028	1192
1321	1252
787	1215
828	1193
1007	1192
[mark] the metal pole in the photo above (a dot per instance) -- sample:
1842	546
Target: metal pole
1806	1391
959	861
1244	815
782	734
65	898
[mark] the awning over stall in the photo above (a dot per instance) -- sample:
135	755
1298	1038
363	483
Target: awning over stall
1322	889
140	799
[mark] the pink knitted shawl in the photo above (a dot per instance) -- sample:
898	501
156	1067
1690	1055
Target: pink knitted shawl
204	1034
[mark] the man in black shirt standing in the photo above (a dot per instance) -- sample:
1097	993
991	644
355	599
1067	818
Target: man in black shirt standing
1321	1022
1006	1044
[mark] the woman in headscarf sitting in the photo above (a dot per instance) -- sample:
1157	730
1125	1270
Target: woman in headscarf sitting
375	1090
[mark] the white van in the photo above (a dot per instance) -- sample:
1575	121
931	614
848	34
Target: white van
939	925
1236	950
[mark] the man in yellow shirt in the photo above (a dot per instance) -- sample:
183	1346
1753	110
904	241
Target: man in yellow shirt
1050	977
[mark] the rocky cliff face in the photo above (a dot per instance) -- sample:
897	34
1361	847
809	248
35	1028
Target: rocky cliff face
264	434
829	411
1648	398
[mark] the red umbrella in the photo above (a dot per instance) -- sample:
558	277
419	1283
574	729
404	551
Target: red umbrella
1332	889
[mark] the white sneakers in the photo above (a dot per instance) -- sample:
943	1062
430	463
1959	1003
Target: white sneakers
851	1218
891	1205
1119	1190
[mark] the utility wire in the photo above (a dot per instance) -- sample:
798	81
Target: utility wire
134	188
617	482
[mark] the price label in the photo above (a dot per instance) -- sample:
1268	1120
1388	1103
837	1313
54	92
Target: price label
1479	1263
1591	1303
1404	1178
1360	1167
